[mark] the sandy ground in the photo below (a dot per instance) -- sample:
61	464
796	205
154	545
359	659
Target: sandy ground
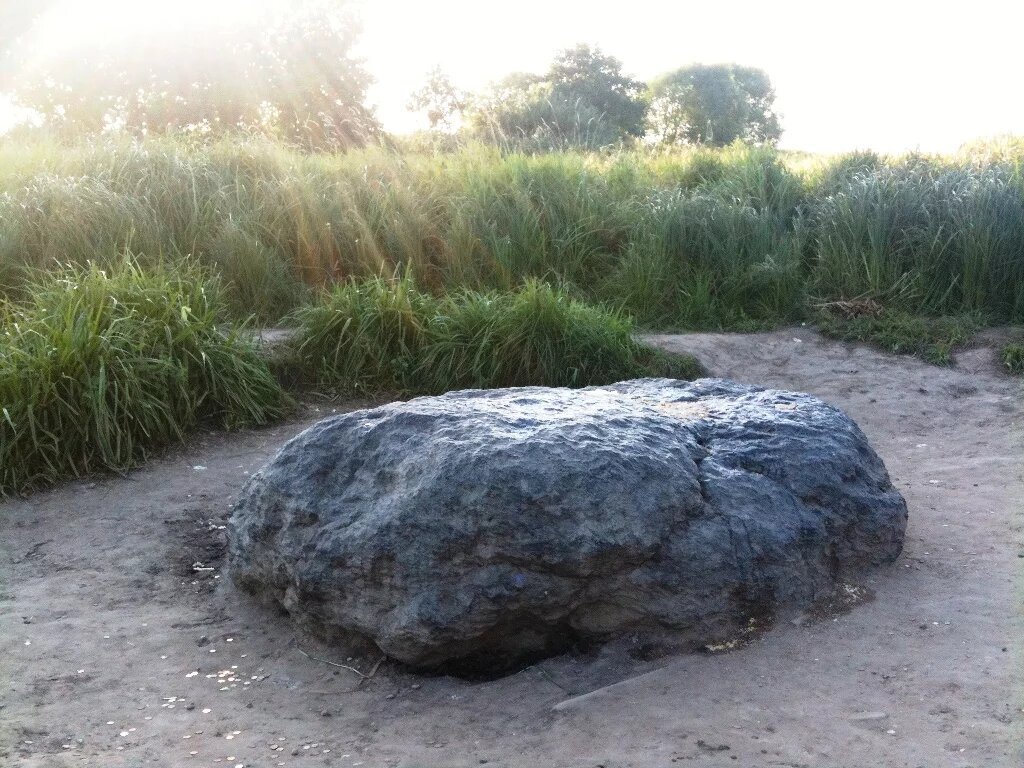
118	649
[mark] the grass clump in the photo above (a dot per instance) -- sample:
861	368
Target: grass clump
98	368
379	335
364	335
1012	356
931	338
537	335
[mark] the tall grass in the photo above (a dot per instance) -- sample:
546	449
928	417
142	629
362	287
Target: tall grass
368	336
925	239
99	368
700	262
700	238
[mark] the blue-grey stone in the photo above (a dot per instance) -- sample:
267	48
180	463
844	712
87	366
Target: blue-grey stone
485	527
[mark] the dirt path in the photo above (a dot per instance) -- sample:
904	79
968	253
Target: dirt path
117	648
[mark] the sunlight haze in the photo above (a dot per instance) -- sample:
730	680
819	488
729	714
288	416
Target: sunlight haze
879	75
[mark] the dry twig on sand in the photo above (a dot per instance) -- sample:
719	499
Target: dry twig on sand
363	676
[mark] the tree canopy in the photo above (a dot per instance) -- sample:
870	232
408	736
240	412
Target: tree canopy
713	104
584	99
440	99
290	74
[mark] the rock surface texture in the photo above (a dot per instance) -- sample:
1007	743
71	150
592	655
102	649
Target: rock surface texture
481	528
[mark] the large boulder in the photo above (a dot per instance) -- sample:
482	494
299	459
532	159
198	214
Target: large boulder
481	528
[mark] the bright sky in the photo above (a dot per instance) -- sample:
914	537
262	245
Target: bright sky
889	76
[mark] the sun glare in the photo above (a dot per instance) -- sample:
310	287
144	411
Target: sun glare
71	28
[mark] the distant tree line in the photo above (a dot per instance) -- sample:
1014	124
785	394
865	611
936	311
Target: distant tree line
294	76
585	100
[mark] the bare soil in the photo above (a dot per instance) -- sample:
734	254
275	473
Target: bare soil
123	643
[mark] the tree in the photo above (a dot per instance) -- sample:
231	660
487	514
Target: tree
440	99
583	100
588	76
713	104
290	74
